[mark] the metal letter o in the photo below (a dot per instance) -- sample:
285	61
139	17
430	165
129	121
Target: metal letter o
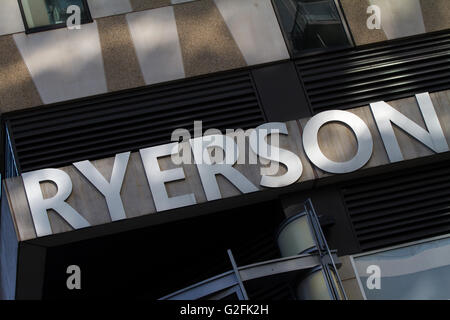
359	128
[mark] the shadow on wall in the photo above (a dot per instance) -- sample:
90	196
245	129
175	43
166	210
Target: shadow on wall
400	18
206	43
64	64
17	90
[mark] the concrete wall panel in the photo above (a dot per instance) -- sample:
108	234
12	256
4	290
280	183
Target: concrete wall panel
64	64
105	8
255	29
400	18
119	57
155	38
10	18
206	43
17	89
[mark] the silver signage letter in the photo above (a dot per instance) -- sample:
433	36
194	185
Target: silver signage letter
290	160
208	170
157	178
385	115
359	128
111	190
39	205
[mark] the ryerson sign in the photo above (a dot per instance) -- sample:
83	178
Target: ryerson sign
384	115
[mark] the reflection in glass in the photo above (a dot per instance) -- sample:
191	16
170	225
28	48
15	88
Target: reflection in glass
299	235
419	271
42	13
311	24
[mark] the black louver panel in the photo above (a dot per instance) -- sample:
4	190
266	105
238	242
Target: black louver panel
354	77
400	207
98	127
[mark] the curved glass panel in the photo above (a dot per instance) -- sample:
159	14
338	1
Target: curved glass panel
296	237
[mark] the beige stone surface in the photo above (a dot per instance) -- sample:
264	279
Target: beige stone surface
206	43
436	14
441	102
255	28
17	89
106	8
346	270
410	147
355	12
64	64
137	199
156	41
352	289
139	5
119	56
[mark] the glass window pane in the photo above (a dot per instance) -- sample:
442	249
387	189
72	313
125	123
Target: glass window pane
42	13
311	24
420	271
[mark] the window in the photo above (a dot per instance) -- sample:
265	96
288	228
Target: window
419	270
311	24
40	15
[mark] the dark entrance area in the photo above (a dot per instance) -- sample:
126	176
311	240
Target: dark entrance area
154	261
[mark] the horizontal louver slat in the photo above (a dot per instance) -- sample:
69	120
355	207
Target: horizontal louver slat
399	207
354	77
101	126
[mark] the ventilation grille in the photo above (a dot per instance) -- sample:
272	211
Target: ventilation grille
357	76
98	127
400	207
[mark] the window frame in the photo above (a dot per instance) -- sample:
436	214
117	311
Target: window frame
29	30
399	246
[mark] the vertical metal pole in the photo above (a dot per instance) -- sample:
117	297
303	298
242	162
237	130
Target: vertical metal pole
323	246
238	276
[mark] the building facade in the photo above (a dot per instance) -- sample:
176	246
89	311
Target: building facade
97	96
